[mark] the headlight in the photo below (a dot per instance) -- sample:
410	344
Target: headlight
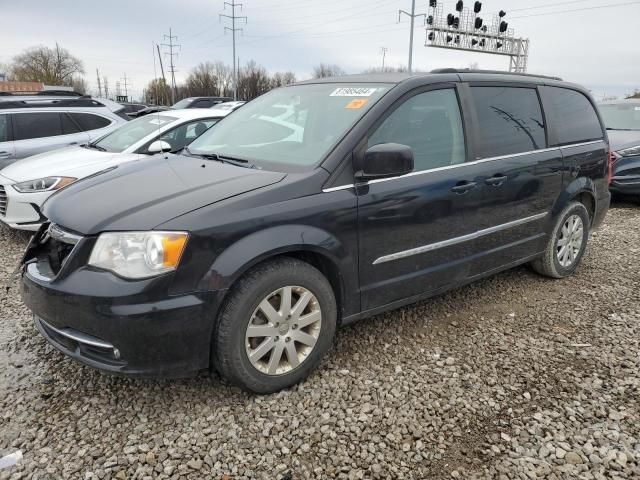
46	184
138	254
629	152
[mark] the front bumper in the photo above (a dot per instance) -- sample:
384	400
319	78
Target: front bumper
132	328
626	176
21	210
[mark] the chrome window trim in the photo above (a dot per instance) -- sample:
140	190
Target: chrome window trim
454	241
458	165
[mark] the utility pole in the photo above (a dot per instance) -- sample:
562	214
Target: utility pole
99	84
233	31
164	79
413	16
384	51
126	86
172	68
105	80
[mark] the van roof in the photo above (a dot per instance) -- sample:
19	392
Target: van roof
398	77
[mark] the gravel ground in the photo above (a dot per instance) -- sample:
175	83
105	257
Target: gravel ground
516	376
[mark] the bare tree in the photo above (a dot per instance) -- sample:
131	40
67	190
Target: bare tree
203	81
79	85
157	92
280	79
52	66
635	94
386	69
253	81
224	77
327	70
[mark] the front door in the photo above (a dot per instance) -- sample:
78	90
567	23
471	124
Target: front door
416	231
6	144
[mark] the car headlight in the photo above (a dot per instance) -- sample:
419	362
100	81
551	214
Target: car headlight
629	152
46	184
138	254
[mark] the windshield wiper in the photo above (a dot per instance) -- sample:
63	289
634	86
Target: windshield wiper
623	129
238	162
95	147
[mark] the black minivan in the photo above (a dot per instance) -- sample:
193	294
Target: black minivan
313	206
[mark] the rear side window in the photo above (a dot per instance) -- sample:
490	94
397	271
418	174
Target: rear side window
509	120
88	121
36	125
68	125
574	118
431	125
4	128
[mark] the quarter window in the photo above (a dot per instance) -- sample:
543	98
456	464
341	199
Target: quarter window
509	120
68	126
431	125
36	125
88	121
573	116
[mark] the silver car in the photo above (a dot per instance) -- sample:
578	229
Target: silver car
37	124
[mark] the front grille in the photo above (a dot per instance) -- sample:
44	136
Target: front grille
3	201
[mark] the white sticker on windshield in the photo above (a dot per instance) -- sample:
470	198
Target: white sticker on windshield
353	92
636	108
157	121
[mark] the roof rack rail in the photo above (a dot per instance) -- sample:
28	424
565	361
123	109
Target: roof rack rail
498	72
49	103
60	93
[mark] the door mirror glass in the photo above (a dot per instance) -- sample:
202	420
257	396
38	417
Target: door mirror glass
159	146
386	160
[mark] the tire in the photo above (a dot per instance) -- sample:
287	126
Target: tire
259	300
558	263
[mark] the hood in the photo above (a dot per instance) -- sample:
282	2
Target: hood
619	139
70	161
141	195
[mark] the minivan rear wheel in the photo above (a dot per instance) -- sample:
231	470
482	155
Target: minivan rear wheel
276	325
566	244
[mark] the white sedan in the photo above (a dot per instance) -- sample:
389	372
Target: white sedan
27	183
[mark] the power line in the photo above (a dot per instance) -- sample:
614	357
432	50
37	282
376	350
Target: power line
610	5
172	68
233	29
547	5
412	16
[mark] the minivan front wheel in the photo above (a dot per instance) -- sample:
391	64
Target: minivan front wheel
275	327
566	244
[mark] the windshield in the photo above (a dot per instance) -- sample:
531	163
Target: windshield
621	116
292	128
135	130
184	103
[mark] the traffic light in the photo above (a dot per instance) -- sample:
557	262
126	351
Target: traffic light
503	26
478	23
456	22
499	45
449	38
430	20
431	36
459	5
502	13
450	18
482	43
477	7
457	39
433	3
474	42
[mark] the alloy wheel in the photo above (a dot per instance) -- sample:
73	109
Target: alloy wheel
570	241
283	330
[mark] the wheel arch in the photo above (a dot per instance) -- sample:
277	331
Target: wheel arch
309	244
582	190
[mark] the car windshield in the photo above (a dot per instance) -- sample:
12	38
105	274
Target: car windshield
184	103
292	128
135	130
621	116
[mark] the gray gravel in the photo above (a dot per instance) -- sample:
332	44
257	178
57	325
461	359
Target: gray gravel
517	376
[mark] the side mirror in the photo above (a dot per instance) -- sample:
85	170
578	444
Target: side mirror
385	160
159	146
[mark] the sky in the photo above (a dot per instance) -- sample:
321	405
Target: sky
590	42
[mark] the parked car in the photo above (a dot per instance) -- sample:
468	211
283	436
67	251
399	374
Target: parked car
622	119
229	105
248	250
132	109
26	184
151	109
200	102
36	124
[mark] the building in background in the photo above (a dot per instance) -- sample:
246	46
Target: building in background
26	88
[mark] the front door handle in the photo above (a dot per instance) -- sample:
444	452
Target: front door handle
73	143
496	180
463	187
4	154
